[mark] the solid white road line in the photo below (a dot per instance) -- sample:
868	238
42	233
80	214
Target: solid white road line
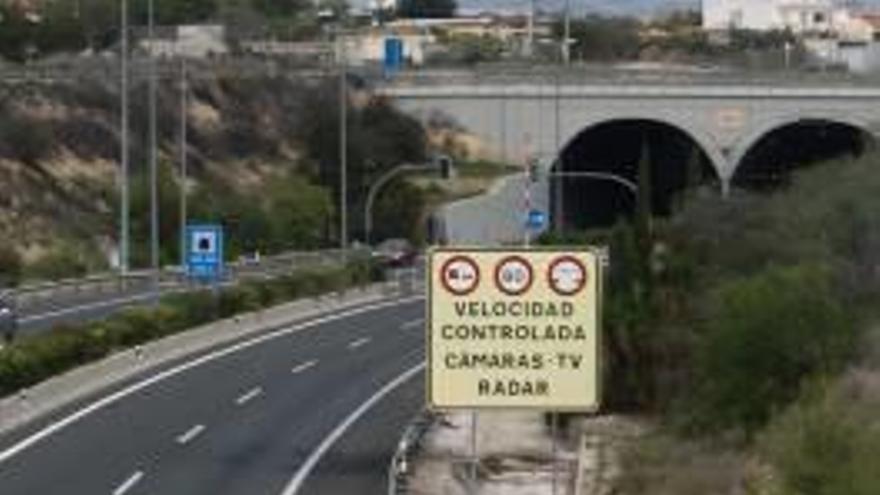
412	324
300	477
359	342
96	406
129	483
249	396
191	434
86	307
304	366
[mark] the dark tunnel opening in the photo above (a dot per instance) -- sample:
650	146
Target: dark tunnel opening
769	163
677	163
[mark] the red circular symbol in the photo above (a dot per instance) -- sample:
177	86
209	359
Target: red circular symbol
460	275
513	275
567	275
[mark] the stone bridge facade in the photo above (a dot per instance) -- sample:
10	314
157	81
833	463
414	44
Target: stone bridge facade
726	121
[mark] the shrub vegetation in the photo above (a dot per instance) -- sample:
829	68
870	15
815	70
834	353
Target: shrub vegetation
32	360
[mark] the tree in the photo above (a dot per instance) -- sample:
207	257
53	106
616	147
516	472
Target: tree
379	138
10	266
176	12
14	34
100	22
299	212
280	8
399	212
426	8
644	208
603	38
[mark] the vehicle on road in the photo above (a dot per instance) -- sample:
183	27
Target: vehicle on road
395	253
8	317
250	259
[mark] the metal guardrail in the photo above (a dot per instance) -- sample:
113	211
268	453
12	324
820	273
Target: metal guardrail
98	68
169	277
409	445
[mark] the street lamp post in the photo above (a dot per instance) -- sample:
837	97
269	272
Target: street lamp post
124	179
530	36
154	166
343	144
566	47
629	185
184	175
377	186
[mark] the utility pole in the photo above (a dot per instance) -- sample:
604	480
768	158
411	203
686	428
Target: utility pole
184	175
566	47
154	165
530	42
124	179
343	144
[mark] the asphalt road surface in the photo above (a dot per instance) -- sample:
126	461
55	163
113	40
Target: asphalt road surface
314	408
42	316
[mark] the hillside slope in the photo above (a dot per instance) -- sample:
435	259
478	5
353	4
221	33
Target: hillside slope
256	144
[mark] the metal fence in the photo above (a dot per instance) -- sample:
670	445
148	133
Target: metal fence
170	278
409	446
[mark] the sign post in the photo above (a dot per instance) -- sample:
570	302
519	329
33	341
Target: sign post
514	328
204	252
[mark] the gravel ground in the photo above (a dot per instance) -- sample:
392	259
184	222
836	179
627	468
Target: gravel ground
515	454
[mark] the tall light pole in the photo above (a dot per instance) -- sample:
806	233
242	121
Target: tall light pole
530	41
184	175
154	165
124	179
566	47
343	144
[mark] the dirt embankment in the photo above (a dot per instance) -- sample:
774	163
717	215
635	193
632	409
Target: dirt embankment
60	151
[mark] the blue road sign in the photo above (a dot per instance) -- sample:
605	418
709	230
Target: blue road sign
536	219
204	252
393	56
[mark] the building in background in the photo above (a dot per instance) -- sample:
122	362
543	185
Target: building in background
798	16
197	41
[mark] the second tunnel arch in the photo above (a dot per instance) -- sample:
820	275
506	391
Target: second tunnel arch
825	136
614	146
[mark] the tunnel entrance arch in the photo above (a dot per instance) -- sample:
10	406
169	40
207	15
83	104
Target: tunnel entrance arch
769	157
678	162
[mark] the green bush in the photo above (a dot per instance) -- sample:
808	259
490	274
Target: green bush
763	337
235	300
64	261
10	266
25	138
192	308
827	444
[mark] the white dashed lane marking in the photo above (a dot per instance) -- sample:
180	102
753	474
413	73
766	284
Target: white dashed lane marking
191	434
359	342
249	396
128	484
304	366
410	325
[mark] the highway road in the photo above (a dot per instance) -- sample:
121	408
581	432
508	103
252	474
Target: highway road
313	408
91	301
44	315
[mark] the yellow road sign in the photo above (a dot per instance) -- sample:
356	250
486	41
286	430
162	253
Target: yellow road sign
514	328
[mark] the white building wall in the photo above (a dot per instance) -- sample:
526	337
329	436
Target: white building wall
797	15
740	14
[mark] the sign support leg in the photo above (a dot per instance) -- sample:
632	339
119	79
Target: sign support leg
474	456
554	434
